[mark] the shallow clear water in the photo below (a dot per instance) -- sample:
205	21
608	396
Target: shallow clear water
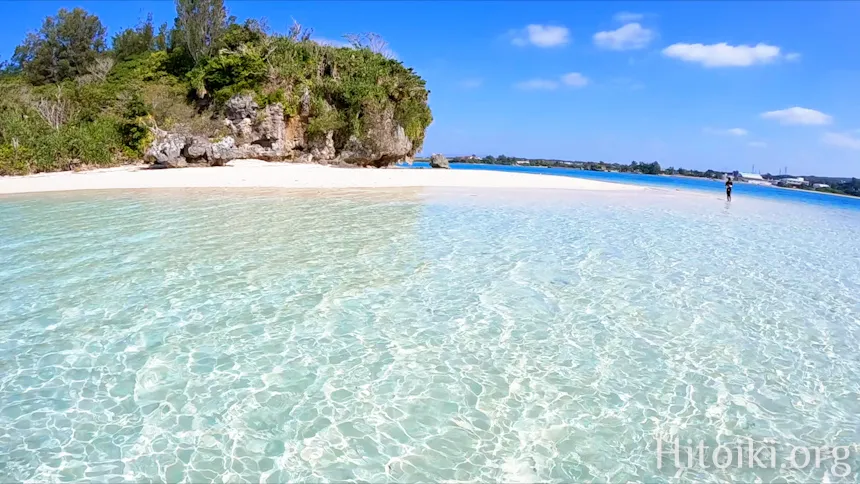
742	190
404	336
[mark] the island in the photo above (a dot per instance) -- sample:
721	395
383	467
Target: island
204	91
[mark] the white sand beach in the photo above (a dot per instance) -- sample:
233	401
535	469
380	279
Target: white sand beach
260	174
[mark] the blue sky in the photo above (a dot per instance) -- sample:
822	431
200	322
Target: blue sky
723	85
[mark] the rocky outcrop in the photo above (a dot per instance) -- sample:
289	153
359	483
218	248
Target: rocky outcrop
438	161
268	134
166	150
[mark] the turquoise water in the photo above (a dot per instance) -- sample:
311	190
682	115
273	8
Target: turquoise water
407	336
676	182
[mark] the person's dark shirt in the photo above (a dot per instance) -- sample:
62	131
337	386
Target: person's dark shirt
729	185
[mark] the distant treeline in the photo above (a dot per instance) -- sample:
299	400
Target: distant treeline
652	168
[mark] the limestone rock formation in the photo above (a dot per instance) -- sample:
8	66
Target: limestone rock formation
438	161
268	134
166	150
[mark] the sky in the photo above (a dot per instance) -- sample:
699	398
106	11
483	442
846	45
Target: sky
727	85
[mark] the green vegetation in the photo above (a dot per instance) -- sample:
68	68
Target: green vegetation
71	102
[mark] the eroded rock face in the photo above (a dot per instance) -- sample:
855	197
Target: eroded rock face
439	161
166	150
385	143
267	134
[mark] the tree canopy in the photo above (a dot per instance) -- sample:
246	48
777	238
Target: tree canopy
139	40
65	46
199	26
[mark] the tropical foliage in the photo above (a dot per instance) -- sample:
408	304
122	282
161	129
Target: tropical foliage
71	102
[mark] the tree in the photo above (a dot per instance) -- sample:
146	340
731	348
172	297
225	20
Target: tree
200	24
162	40
63	48
132	42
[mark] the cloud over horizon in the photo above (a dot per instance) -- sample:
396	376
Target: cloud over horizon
541	35
725	55
798	116
627	37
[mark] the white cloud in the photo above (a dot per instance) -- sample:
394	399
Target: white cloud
626	17
792	56
730	131
628	37
798	116
723	54
574	79
541	35
757	144
471	83
841	140
538	84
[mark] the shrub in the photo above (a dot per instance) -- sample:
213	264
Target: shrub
15	161
228	74
134	128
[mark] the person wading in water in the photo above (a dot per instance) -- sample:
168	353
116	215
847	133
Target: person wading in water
729	189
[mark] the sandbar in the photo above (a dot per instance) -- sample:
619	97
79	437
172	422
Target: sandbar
260	174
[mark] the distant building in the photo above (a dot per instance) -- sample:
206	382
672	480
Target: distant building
793	182
471	157
820	185
523	162
753	178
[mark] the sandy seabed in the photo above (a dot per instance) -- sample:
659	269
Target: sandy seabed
260	174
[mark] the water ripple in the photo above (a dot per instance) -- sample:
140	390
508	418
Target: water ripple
283	336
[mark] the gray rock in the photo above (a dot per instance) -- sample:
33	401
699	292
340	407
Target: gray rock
270	130
166	150
222	151
438	161
240	107
322	147
196	148
304	158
